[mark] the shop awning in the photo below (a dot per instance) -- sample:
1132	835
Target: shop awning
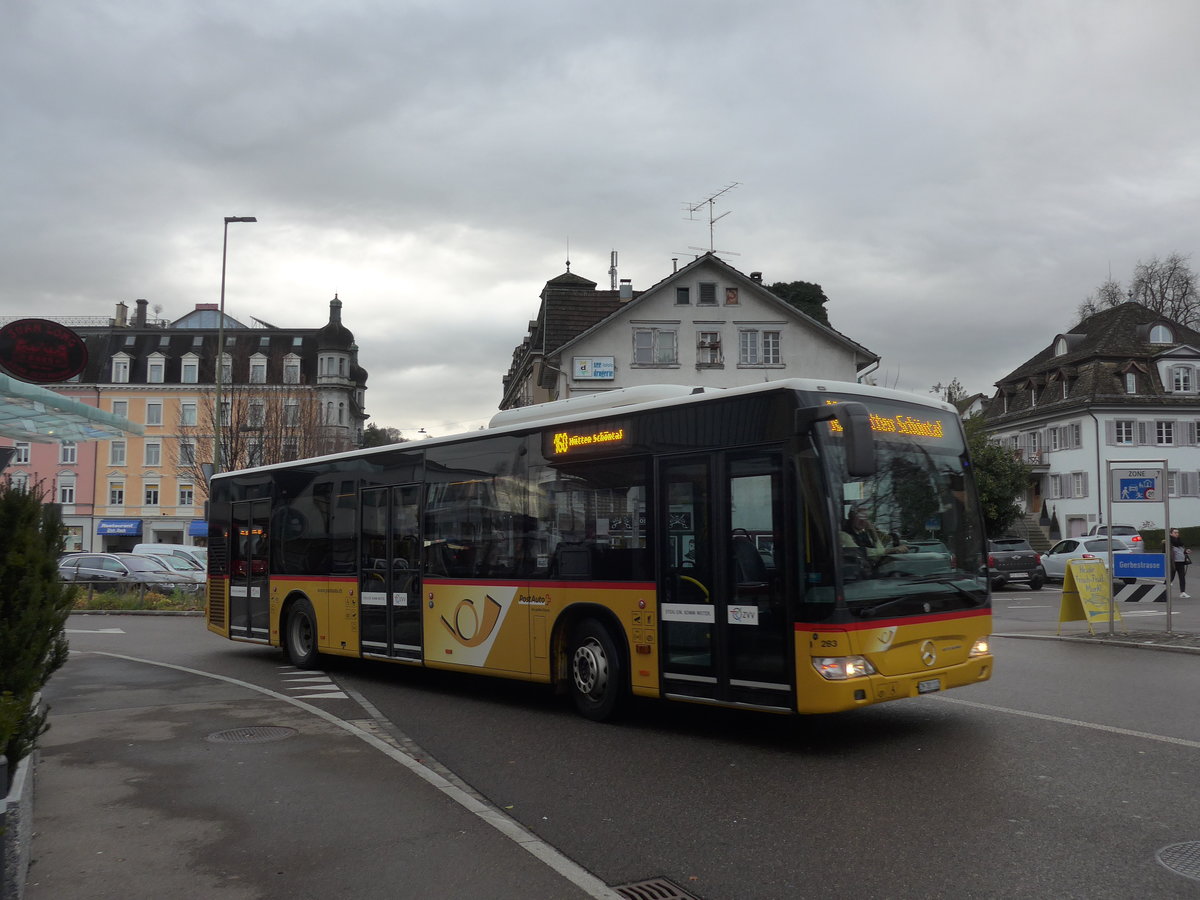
29	412
119	526
198	528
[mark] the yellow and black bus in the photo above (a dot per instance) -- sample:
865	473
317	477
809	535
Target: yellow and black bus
697	545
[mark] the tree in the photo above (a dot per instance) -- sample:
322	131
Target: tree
263	425
1167	286
1000	477
951	393
809	298
34	605
375	436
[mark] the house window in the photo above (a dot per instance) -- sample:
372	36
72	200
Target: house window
153	453
1161	334
120	369
1164	433
187	412
708	294
291	370
1131	382
708	350
68	452
1032	396
156	370
189	372
226	369
683	296
187	453
1064	389
66	489
731	296
19	481
342	366
1124	431
154	412
257	413
121	408
1078	484
254	452
654	347
226	413
291	413
187	495
151	494
21	457
1183	379
116	493
291	449
758	348
116	453
1055	440
1060	346
341	413
258	370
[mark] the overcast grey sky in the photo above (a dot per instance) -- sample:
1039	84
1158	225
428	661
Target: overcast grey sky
957	175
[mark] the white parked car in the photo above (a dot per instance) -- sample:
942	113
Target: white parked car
1127	533
1055	560
189	576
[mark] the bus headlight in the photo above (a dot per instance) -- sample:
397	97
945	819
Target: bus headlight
842	668
980	648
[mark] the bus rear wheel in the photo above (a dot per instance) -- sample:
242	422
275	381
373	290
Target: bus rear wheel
300	636
597	671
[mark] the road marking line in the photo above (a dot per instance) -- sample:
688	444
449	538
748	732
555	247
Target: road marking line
94	630
1061	720
509	827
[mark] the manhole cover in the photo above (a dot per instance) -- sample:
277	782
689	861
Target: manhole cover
1182	858
654	889
253	734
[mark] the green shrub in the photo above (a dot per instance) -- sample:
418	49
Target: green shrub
34	605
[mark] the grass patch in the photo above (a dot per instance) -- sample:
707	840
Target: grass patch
176	601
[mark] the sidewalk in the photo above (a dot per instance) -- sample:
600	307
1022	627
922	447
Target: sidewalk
154	782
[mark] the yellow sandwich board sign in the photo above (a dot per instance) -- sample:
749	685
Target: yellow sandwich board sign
1087	594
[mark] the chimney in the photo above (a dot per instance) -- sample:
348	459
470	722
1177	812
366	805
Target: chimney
139	319
122	316
626	289
756	277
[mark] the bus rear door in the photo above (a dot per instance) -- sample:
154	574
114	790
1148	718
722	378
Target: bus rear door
723	574
249	598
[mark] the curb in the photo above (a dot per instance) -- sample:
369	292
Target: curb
1150	642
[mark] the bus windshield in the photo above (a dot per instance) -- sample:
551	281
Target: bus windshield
909	537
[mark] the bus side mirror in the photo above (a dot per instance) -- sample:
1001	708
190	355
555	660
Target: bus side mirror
855	423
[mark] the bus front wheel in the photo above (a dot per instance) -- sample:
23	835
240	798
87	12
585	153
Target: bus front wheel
597	672
301	635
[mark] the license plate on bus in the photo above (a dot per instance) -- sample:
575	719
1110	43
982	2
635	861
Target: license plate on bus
928	687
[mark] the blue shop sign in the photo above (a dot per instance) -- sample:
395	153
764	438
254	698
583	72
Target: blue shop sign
119	526
198	528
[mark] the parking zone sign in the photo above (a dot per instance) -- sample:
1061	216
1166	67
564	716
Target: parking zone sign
1134	485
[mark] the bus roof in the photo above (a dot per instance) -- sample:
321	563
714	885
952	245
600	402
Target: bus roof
641	397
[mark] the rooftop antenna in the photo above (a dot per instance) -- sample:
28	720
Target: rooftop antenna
693	208
612	270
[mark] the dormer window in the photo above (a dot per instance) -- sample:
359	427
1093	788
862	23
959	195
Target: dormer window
1131	382
1161	334
1060	346
1183	379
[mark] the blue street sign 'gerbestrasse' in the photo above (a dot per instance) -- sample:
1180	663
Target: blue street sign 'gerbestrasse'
1139	565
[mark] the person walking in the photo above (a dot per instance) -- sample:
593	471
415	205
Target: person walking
1181	558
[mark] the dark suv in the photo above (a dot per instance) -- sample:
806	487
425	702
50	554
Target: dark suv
1012	561
126	570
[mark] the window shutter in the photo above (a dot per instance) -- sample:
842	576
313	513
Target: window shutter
1084	482
1110	432
1141	433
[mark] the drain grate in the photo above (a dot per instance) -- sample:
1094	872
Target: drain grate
654	889
1182	858
252	734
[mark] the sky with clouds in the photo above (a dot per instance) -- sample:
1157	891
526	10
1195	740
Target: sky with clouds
957	176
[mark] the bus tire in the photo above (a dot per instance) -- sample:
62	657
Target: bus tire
597	671
300	635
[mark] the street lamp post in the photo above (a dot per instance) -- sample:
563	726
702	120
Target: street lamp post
219	411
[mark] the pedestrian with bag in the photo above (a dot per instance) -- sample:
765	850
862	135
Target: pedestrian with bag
1181	558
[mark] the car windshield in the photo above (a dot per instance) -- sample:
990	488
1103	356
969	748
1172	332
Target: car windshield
144	564
909	540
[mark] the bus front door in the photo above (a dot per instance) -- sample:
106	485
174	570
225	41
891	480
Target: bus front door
723	565
390	576
249	597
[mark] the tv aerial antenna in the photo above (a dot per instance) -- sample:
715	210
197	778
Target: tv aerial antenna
710	202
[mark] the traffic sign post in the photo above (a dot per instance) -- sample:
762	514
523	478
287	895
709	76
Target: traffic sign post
1139	481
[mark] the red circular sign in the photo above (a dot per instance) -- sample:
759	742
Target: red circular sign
41	351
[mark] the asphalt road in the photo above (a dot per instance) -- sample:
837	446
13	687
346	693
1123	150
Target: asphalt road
1068	775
